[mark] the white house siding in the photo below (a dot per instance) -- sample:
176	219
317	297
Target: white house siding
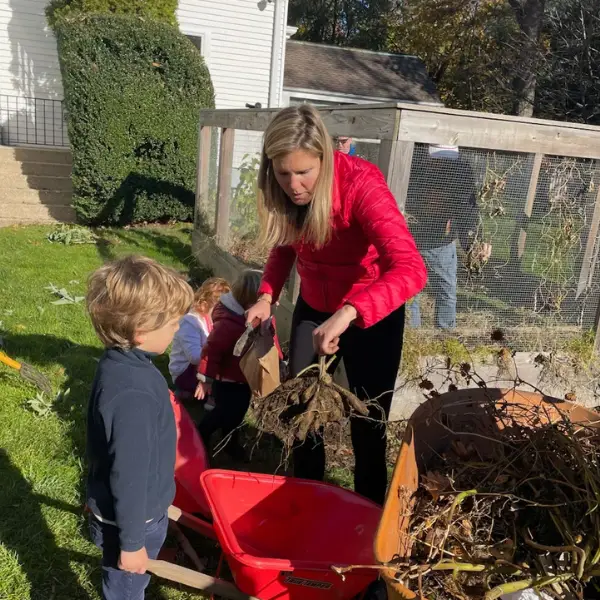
237	46
237	43
30	82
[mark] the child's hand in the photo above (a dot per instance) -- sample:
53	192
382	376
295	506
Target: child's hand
202	390
134	562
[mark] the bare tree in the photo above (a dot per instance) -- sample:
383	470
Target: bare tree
530	17
569	80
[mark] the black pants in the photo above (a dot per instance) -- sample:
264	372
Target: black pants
232	401
372	359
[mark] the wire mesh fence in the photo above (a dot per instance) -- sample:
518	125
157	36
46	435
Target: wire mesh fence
510	238
243	216
490	264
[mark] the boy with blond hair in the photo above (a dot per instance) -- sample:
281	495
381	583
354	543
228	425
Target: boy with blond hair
135	305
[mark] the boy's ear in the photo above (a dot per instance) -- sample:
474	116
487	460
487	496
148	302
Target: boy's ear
139	337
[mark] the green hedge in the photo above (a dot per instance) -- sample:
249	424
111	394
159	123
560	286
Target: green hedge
133	92
157	10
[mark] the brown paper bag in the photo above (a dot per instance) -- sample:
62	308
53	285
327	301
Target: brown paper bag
260	363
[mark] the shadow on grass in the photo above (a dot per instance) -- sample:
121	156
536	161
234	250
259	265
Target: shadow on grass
161	239
24	531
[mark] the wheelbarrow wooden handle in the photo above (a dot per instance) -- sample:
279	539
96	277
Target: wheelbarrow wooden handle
196	580
191	522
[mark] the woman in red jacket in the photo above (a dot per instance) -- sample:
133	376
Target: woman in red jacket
358	265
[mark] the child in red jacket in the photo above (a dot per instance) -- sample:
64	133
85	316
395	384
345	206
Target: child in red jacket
219	370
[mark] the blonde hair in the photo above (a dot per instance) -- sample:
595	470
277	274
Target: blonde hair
295	128
134	294
208	294
245	288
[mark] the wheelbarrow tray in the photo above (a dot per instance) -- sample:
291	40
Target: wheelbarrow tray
426	435
282	535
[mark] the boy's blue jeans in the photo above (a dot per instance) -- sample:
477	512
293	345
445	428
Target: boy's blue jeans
442	271
117	584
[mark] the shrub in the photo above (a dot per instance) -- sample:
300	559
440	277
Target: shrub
157	10
133	92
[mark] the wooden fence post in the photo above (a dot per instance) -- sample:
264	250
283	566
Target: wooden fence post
395	161
531	193
202	175
224	186
589	258
589	263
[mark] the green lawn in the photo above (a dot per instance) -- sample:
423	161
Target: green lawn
44	551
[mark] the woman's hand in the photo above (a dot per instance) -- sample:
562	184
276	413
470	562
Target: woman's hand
326	337
261	310
203	389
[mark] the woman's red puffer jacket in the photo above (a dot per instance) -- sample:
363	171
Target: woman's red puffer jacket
371	260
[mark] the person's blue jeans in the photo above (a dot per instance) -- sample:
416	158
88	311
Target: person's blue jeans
442	269
117	584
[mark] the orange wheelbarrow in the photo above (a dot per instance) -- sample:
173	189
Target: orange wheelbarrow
426	434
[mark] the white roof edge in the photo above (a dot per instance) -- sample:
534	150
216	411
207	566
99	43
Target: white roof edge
371	99
356	49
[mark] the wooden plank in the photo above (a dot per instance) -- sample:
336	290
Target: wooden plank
191	522
361	122
474	131
202	174
597	329
224	186
586	272
442	110
533	183
198	581
395	161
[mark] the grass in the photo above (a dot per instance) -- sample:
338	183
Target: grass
44	550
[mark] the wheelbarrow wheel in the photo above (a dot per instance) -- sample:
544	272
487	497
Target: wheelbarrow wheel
376	591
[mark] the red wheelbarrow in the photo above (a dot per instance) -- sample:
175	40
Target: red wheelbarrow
280	536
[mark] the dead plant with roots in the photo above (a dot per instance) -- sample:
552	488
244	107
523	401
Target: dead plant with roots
306	404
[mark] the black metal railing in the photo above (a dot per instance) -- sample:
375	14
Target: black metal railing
32	121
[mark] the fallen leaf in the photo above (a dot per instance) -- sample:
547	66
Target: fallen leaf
436	484
460	449
467	528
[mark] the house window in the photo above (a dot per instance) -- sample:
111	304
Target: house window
197	40
201	39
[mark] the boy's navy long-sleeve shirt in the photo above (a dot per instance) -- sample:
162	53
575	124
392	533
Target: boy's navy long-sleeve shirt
131	441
